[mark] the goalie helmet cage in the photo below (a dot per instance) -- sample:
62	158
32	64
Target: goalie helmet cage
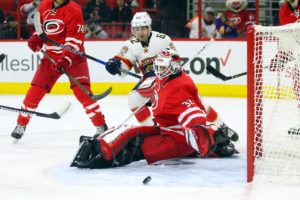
273	152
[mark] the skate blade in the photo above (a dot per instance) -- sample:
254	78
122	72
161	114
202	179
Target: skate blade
15	141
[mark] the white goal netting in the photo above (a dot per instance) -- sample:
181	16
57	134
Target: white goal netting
276	103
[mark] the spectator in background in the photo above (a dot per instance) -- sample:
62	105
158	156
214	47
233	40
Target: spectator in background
97	11
208	25
9	28
29	9
122	12
225	27
238	14
289	12
94	31
1	16
133	3
151	4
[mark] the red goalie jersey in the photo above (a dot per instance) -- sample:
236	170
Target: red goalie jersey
177	108
64	25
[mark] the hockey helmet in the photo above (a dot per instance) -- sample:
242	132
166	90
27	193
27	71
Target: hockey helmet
141	19
236	6
167	63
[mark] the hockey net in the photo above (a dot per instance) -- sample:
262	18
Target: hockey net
274	104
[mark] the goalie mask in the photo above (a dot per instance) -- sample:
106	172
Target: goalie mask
167	63
141	19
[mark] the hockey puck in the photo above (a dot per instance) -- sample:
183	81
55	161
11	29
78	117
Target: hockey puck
147	180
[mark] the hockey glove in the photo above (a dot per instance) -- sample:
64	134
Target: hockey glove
62	63
35	43
113	66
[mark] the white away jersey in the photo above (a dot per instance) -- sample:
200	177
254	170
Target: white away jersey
136	52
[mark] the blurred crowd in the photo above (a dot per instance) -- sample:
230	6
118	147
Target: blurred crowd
109	19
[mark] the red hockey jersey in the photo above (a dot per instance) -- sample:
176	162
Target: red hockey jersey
177	105
65	25
241	19
288	15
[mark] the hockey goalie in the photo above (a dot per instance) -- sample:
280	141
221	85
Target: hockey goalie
182	125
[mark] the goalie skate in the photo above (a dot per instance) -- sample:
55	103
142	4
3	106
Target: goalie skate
230	133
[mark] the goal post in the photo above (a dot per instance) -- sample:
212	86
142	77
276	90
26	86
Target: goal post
273	146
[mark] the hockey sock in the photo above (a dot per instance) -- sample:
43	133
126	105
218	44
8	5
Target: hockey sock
91	107
31	101
144	116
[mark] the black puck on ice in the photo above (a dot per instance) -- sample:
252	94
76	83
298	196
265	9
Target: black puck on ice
147	180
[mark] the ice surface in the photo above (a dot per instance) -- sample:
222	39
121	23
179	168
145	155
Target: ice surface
37	167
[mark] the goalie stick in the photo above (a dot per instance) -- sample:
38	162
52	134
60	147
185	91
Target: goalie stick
94	97
2	56
55	115
42	35
128	118
221	76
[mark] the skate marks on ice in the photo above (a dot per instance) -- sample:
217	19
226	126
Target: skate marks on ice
192	172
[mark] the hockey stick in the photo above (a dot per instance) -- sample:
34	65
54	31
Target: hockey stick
94	97
42	35
55	115
200	51
128	118
2	56
218	74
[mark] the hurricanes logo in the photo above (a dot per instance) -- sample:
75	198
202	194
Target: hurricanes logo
53	26
236	20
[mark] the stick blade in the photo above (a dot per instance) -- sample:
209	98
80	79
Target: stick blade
101	96
216	73
63	109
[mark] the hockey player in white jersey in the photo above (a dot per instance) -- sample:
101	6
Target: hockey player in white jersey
140	50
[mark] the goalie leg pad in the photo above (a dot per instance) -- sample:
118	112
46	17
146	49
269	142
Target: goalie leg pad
89	155
130	153
203	136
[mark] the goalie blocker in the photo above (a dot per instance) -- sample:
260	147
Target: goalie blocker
123	145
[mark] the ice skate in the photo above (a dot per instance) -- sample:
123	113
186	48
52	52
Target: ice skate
230	133
18	132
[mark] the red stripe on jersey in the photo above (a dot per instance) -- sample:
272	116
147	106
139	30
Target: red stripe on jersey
126	61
